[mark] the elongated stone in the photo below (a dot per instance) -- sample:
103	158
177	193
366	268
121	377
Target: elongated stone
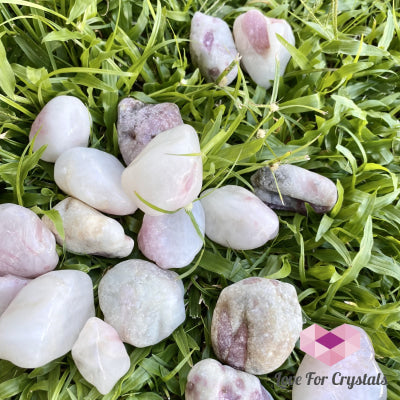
236	218
100	355
356	377
45	318
210	380
94	177
142	302
257	42
255	325
171	240
297	187
138	123
27	246
10	285
167	173
63	123
211	47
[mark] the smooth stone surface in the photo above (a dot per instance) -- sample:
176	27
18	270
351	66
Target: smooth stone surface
87	231
355	365
210	380
297	187
100	355
138	123
171	240
257	43
256	324
63	123
238	219
45	318
94	177
10	285
168	172
142	302
212	48
27	246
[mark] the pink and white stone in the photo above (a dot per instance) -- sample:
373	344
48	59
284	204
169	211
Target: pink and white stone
45	318
27	246
257	43
63	123
10	285
100	355
142	302
171	240
210	380
167	173
88	231
238	219
94	177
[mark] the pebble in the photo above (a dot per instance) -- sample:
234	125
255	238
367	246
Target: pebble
238	219
142	302
45	318
27	246
255	325
10	285
63	123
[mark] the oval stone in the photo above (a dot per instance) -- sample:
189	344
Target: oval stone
10	285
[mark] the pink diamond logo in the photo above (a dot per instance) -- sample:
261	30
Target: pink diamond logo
330	347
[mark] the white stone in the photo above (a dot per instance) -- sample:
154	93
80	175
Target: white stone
171	240
94	177
45	318
27	246
87	231
257	43
10	285
142	302
167	173
100	355
63	123
238	219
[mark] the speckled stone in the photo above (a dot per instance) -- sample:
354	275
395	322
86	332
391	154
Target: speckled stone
10	285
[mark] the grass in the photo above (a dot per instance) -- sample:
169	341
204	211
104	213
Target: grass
334	112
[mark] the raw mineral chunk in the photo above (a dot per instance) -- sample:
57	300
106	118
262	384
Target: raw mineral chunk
236	218
256	324
142	302
100	355
257	42
344	380
10	285
94	177
87	231
138	123
211	47
210	380
168	172
27	246
63	123
171	240
297	187
45	318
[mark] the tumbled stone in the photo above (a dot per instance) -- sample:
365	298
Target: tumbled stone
238	219
45	318
63	123
87	231
10	285
138	123
356	377
297	187
94	177
211	47
171	240
100	355
142	302
27	246
257	42
210	380
255	325
167	173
